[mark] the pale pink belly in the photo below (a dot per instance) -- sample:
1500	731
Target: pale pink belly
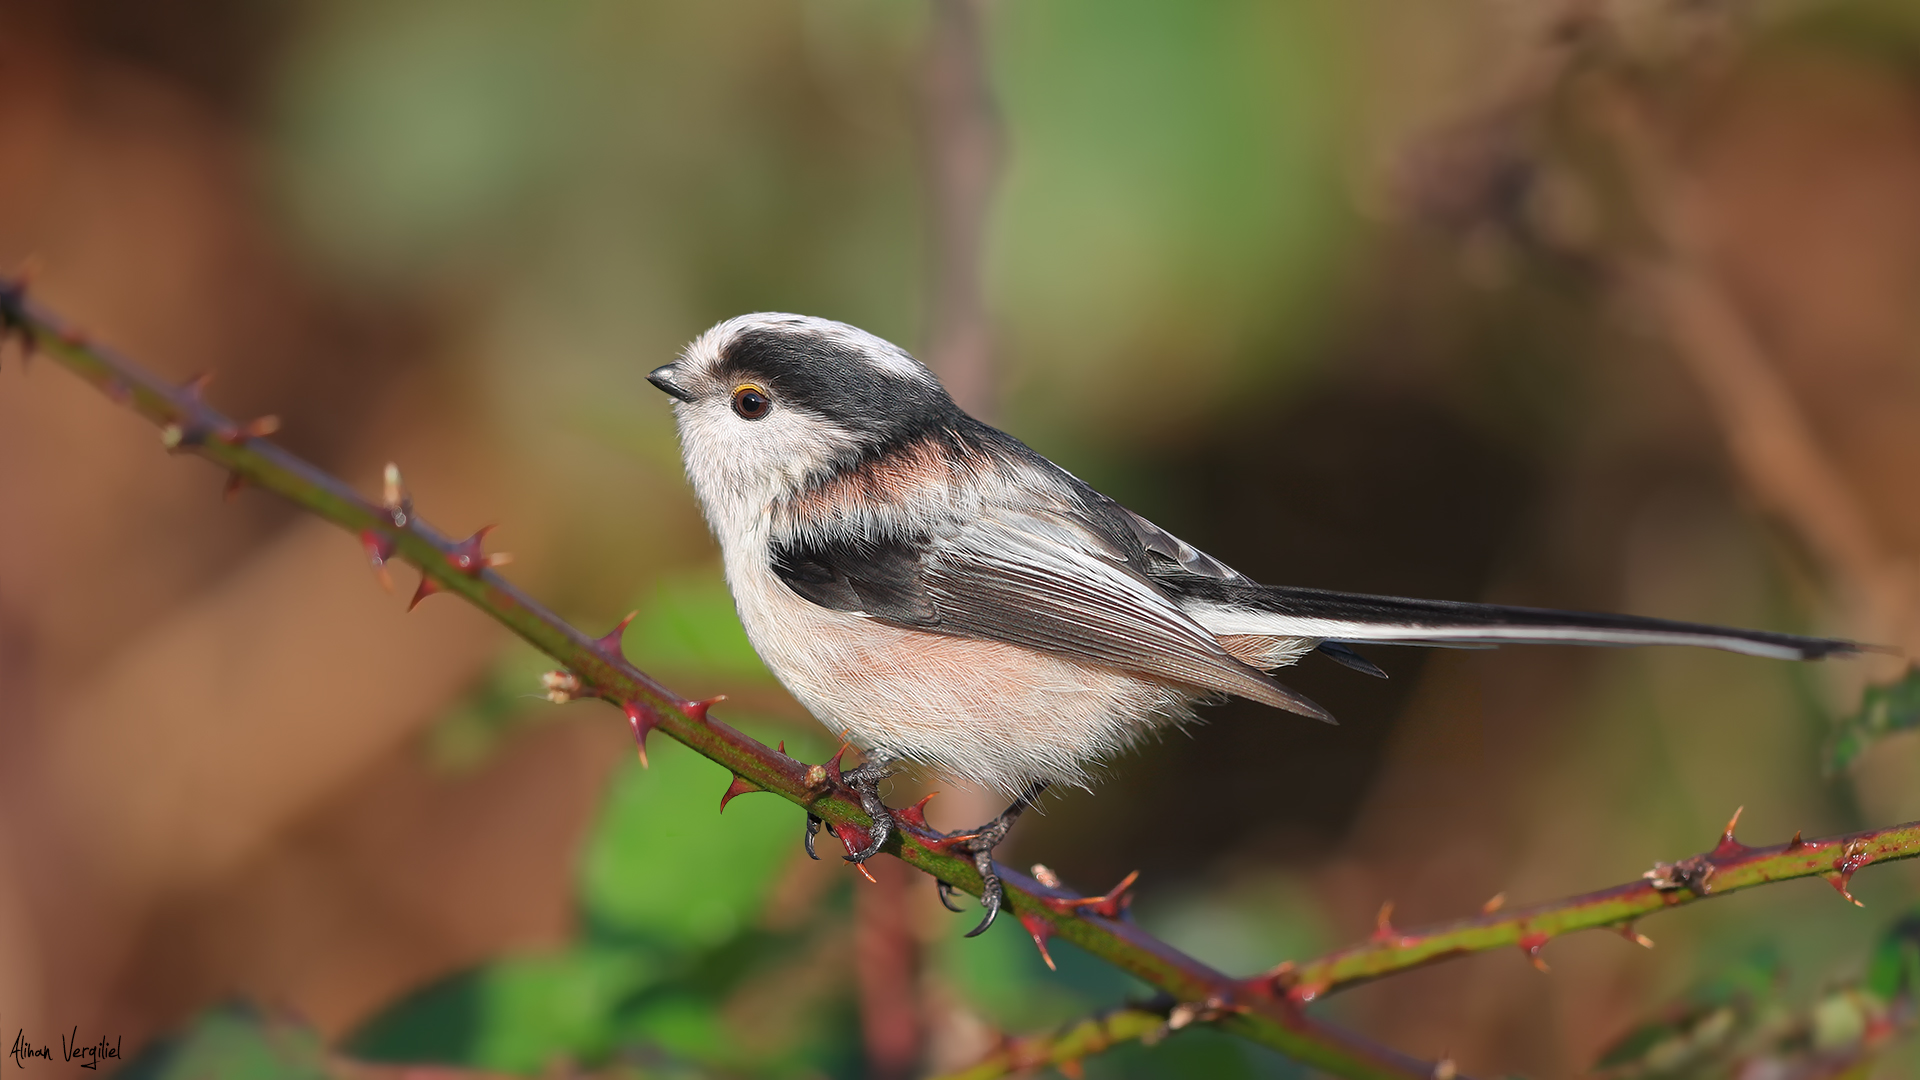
983	711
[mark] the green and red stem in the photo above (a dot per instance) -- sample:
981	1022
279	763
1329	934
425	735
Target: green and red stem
1066	1048
1729	867
389	530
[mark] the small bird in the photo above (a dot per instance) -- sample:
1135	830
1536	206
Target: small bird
953	599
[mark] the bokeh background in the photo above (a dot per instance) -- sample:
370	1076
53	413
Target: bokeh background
1609	304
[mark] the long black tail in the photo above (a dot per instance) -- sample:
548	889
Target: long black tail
1284	611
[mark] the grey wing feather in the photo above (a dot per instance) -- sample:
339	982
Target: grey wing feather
1039	580
1158	541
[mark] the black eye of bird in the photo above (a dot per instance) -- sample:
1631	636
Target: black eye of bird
751	402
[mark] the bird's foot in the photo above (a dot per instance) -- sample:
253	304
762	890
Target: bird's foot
979	845
865	784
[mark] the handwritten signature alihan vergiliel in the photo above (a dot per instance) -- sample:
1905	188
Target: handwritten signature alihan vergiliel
88	1056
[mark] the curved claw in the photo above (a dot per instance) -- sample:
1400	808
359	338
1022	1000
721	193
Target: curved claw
879	837
990	892
946	895
980	844
813	830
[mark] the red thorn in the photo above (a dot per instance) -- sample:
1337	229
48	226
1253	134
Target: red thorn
609	642
783	748
642	720
428	586
231	489
1108	906
698	709
1796	843
916	815
1627	931
1494	903
1040	930
379	549
1300	993
943	845
833	763
740	786
829	773
1116	900
1728	847
196	387
854	839
1383	923
258	428
469	556
865	873
1854	856
1280	979
1531	944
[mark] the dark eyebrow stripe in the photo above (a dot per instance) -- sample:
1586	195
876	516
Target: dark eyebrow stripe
838	381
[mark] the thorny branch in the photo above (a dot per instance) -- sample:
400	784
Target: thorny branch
1729	866
596	667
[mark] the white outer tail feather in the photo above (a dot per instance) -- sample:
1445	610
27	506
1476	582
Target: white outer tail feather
1248	622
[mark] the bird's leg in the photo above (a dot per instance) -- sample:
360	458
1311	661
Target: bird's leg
980	844
865	782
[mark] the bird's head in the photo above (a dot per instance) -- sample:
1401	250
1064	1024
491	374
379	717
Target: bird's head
770	403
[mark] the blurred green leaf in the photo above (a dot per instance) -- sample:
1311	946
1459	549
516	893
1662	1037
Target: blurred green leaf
513	1015
666	867
1884	709
1741	1025
689	626
234	1042
1674	1043
1894	972
670	893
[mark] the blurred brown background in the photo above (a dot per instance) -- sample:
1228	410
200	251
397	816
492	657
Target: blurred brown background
1604	305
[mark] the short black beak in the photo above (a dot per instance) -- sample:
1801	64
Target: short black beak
662	377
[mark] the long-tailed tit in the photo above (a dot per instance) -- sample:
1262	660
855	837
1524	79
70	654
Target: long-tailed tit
956	600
